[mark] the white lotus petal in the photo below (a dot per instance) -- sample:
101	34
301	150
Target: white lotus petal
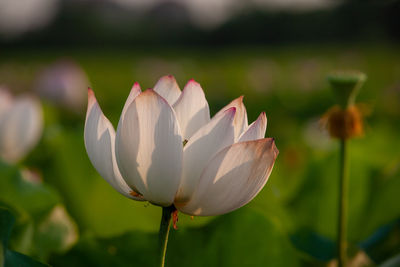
256	130
232	178
6	101
206	142
135	91
99	142
192	109
168	89
240	122
149	148
21	127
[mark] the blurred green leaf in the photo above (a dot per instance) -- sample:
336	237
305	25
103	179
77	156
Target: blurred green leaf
8	257
392	262
130	249
384	179
383	243
43	227
242	238
7	221
17	259
373	184
27	197
56	233
6	224
22	240
319	247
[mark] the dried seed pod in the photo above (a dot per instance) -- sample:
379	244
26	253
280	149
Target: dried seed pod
344	123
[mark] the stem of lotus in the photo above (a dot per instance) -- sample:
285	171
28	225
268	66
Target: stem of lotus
165	225
342	218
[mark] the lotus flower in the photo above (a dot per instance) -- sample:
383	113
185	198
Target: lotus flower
21	124
168	151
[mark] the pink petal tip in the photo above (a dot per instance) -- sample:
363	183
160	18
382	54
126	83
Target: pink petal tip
231	110
191	82
90	92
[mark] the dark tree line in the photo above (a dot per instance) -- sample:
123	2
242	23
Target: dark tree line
170	24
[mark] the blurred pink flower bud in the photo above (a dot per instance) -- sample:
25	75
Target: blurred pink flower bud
21	125
65	84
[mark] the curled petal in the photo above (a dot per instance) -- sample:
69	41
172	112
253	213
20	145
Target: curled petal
99	142
21	126
232	178
168	88
207	141
240	122
256	130
192	109
149	148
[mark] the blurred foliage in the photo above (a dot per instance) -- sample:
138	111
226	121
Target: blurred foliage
392	262
42	225
236	239
291	222
9	257
26	197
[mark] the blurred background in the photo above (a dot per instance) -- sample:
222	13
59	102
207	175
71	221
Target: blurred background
276	53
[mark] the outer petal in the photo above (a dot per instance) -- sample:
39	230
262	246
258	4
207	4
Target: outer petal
207	141
135	91
240	121
192	109
99	142
21	126
256	130
149	148
232	178
168	89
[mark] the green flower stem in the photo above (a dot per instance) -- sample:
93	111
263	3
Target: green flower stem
343	194
345	85
165	225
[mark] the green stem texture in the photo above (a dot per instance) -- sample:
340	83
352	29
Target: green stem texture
165	225
343	195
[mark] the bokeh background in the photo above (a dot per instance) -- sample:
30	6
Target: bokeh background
277	54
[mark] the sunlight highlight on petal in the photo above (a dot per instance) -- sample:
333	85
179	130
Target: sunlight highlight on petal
149	148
